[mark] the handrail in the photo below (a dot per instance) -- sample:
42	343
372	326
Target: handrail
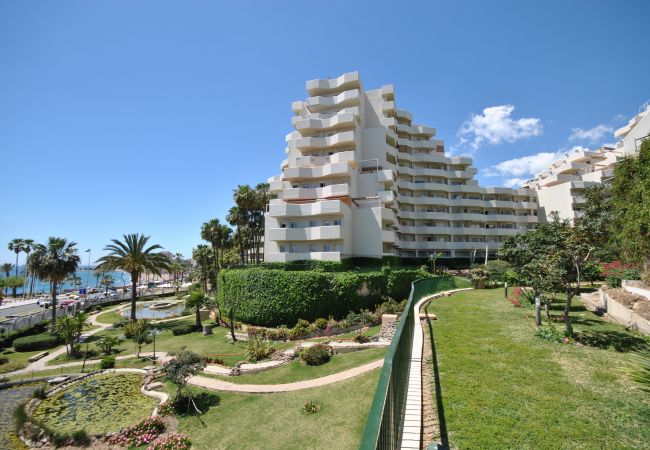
384	425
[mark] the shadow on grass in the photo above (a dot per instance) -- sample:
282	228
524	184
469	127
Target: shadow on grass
618	340
203	401
442	423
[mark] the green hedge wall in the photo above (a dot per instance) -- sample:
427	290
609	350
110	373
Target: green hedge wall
43	341
7	339
272	297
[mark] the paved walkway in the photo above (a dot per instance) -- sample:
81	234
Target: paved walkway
412	425
41	364
219	385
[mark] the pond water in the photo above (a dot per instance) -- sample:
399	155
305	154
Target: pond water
98	404
144	310
9	401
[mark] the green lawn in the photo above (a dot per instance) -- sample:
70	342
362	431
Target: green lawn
215	345
502	387
17	360
277	421
109	317
297	371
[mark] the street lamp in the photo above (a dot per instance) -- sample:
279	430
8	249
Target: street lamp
88	272
153	333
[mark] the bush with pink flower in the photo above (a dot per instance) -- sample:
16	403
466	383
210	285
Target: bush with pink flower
173	441
143	433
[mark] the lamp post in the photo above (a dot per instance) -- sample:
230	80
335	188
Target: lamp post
506	292
88	272
154	332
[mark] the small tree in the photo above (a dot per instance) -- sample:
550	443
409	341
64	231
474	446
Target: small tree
180	369
139	332
197	300
108	343
67	330
231	300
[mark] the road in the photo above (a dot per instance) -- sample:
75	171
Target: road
18	309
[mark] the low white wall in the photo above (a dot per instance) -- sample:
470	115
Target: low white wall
625	316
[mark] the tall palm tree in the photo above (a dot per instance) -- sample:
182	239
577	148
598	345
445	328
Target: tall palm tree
238	218
197	300
28	246
54	261
210	232
133	256
203	258
6	268
16	246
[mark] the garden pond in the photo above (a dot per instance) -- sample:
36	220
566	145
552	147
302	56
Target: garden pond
157	309
98	405
9	401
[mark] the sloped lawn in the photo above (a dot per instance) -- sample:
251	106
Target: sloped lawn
503	387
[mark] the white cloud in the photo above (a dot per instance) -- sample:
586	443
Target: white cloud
495	125
515	182
591	135
516	171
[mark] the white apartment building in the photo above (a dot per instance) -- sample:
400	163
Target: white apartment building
560	188
362	180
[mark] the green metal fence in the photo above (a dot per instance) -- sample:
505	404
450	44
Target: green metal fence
383	429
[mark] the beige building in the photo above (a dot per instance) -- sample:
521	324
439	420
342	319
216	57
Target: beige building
361	179
561	186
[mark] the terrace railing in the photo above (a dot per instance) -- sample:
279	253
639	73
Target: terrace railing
385	421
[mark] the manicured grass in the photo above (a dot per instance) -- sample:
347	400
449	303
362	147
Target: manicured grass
109	317
215	345
277	421
297	371
17	360
503	387
370	332
131	363
462	282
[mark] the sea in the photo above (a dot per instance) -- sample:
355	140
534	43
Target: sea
87	277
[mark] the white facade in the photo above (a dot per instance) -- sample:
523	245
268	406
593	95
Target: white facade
362	180
560	187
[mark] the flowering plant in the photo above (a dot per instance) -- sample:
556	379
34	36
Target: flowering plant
143	433
167	409
173	441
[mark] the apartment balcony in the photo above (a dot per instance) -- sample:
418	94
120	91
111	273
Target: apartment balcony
338	170
428	144
389	122
456	231
387	107
428	157
319	208
276	186
312	161
434	245
333	232
345	82
426	171
347	118
465	202
425	131
388	216
342	100
403	114
388	236
288	257
388	197
386	176
558	178
334	190
345	138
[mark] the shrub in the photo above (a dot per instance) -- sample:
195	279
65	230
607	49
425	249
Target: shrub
398	281
616	271
361	339
496	270
3	360
43	341
167	409
40	393
257	349
81	438
479	277
321	323
311	407
173	441
107	363
549	333
316	354
143	433
6	339
108	343
181	329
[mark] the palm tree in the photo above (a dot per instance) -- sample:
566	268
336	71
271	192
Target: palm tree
133	256
16	246
203	258
197	300
54	261
6	268
238	218
210	233
28	246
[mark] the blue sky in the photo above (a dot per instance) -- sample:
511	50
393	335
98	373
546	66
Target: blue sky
120	117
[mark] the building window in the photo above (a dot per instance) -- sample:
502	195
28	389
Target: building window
327	222
293	225
327	248
312	223
283	249
337	222
293	249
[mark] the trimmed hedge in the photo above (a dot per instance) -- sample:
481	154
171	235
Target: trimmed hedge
270	297
7	340
183	328
43	341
